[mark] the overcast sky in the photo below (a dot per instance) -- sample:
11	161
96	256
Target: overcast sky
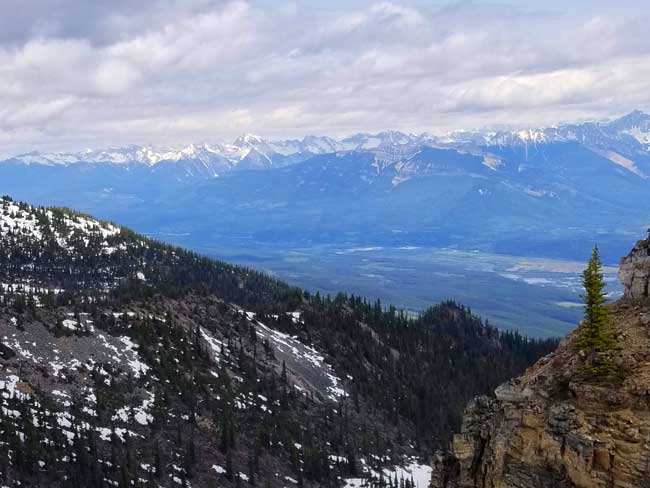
77	73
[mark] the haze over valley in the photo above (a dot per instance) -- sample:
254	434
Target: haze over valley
385	215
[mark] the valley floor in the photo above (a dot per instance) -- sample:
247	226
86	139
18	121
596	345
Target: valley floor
538	296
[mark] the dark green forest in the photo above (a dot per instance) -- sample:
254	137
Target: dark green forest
245	418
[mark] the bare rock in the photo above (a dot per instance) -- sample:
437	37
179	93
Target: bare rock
552	428
635	272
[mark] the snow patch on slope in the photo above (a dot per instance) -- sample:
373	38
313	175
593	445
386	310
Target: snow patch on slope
308	363
415	471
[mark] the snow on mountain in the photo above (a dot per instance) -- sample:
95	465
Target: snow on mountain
246	146
636	125
364	141
635	119
231	154
24	220
320	145
631	129
413	471
71	234
643	136
68	231
630	133
129	154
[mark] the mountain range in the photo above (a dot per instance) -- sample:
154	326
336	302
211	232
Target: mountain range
550	191
125	361
246	152
128	362
626	136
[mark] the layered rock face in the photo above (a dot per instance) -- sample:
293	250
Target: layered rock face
552	429
635	271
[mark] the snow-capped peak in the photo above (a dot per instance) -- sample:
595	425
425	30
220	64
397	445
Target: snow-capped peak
249	139
530	135
632	129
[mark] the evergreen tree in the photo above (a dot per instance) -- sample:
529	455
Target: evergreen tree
595	336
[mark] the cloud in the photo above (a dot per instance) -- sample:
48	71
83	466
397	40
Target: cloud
35	113
76	74
115	77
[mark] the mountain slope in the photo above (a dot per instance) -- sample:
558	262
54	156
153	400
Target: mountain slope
127	362
537	193
541	191
557	427
548	202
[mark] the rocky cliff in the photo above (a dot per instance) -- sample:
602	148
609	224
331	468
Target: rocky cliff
635	272
552	427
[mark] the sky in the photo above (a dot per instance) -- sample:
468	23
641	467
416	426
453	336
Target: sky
76	74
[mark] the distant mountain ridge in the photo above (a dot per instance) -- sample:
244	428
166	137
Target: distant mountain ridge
630	133
539	192
242	153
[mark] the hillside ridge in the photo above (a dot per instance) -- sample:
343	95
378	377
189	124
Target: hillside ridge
125	361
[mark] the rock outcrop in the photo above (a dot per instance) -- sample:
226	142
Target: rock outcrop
635	272
553	428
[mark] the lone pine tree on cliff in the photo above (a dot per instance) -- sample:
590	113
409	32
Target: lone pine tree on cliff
595	336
